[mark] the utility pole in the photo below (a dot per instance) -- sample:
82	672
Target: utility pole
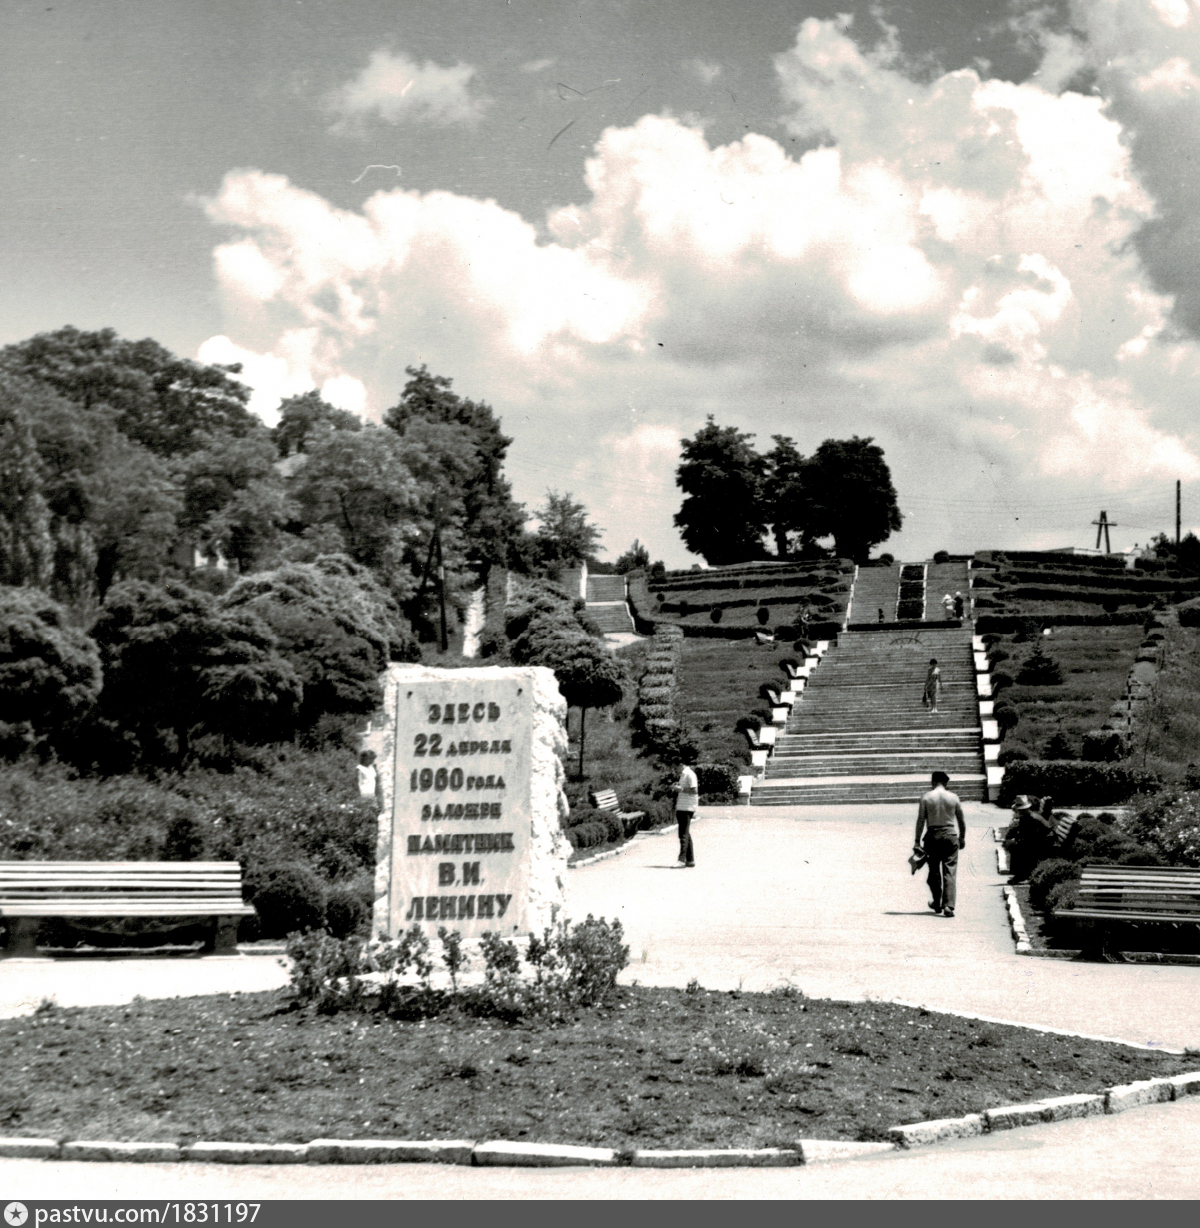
1102	526
1178	509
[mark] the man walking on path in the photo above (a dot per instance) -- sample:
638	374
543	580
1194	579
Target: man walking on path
687	797
939	814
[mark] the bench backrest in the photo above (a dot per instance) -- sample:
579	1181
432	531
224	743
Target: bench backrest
1140	889
48	882
604	799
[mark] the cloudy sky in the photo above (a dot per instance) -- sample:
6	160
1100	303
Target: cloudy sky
967	229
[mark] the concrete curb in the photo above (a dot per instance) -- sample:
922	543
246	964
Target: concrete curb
1055	1108
126	1153
1017	922
542	1155
503	1153
772	1157
1025	947
389	1151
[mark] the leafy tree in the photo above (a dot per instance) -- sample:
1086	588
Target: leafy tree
49	670
26	549
112	502
170	404
565	536
720	475
176	667
852	496
785	504
491	521
234	499
328	629
636	556
1185	555
587	674
358	484
303	417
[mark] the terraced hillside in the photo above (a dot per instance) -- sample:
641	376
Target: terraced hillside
1064	589
728	602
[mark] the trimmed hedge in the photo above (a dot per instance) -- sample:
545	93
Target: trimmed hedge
1008	624
1128	581
1083	596
1075	782
718	782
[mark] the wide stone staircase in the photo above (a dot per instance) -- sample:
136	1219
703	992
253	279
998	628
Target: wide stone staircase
606	604
875	589
859	732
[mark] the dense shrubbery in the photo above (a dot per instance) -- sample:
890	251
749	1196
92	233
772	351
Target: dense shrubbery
1075	782
567	968
302	809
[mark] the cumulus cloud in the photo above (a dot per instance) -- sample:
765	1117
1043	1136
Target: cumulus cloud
398	89
951	269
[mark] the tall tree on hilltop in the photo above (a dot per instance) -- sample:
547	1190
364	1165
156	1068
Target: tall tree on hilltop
303	417
852	496
565	536
234	498
170	404
491	521
721	477
357	484
26	548
786	505
636	556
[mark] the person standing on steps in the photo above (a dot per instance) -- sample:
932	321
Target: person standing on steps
938	816
687	798
959	605
933	687
948	606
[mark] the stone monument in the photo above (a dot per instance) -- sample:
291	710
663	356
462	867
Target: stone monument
470	834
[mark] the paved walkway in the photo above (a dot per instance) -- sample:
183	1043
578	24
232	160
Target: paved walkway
1145	1153
112	982
821	898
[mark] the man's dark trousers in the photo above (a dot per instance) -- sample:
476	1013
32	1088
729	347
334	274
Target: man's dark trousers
686	853
941	847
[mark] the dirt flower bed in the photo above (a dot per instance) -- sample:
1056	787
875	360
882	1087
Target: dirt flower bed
659	1068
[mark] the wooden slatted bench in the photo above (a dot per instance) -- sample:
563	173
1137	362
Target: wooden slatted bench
31	890
606	799
1110	895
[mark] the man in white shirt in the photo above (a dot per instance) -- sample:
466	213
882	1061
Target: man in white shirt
687	798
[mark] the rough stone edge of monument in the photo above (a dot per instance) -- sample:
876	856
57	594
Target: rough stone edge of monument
546	754
504	1153
1025	947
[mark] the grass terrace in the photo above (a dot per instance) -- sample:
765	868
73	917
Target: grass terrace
1095	663
718	685
725	599
1079	587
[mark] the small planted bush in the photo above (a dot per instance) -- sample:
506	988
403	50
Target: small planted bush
1039	669
288	899
1047	876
